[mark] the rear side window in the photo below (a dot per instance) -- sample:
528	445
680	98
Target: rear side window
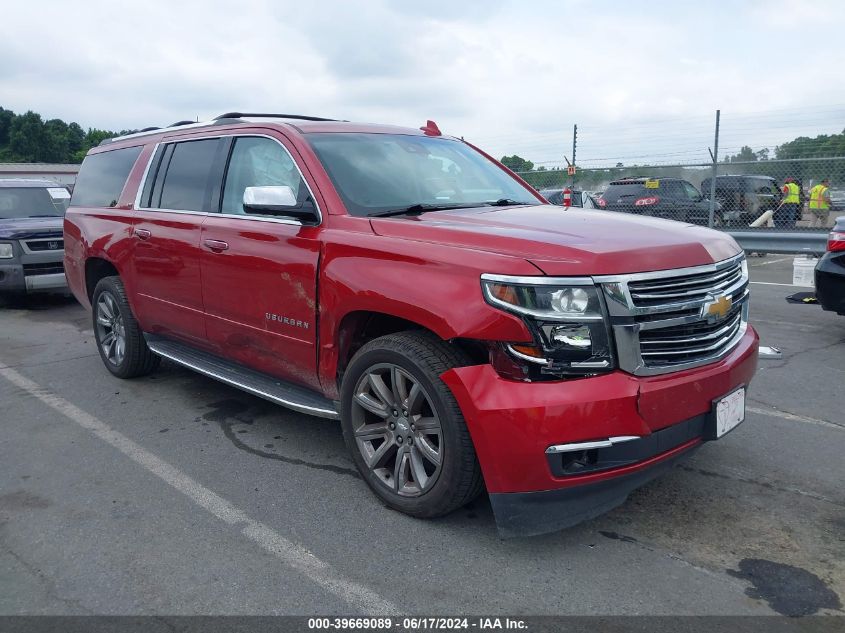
762	185
690	191
102	177
186	177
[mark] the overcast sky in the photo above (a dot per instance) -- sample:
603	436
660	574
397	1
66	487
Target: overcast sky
639	78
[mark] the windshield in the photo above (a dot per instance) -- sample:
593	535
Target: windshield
32	202
376	173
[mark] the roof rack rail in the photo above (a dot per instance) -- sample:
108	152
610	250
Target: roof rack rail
263	115
178	123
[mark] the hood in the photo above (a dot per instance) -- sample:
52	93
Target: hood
568	242
20	228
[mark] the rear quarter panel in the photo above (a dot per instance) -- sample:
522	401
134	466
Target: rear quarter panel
105	233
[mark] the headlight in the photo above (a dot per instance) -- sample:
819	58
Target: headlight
6	251
578	303
566	318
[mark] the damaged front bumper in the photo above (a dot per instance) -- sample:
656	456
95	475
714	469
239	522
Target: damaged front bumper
514	425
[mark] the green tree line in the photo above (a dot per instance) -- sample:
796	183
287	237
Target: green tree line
27	138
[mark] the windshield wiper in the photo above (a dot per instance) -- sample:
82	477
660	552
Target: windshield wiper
417	209
504	202
44	216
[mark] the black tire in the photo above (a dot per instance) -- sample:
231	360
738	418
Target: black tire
12	299
423	357
137	359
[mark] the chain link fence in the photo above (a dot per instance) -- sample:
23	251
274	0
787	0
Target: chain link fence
748	194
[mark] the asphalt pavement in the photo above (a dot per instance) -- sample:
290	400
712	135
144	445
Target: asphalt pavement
174	494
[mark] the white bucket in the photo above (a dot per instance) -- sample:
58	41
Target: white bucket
803	269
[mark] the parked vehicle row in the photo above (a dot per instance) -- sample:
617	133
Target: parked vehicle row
669	198
743	199
31	243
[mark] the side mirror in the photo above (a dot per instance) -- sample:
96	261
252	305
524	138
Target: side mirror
277	200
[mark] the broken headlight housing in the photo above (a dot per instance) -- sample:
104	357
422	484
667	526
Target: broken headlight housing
567	319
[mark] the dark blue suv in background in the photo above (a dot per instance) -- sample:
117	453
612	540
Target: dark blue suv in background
31	245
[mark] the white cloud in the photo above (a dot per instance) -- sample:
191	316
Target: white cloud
636	77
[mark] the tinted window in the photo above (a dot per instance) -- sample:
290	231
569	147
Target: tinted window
258	162
186	182
32	202
625	192
382	172
690	191
761	185
555	196
102	177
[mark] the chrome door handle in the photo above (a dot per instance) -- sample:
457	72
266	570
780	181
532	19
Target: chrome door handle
216	245
143	234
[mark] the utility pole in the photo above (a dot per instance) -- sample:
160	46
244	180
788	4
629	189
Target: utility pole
574	146
715	156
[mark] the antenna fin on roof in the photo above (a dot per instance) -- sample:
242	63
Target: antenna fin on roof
431	129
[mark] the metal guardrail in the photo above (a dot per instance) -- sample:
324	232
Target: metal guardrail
781	242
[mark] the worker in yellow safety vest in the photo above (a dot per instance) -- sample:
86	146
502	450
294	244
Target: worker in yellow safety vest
820	202
787	214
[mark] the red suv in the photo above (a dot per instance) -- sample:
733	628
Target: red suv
467	334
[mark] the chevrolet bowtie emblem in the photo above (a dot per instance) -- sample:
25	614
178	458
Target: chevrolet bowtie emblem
716	308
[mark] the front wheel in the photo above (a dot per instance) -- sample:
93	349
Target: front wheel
404	428
119	338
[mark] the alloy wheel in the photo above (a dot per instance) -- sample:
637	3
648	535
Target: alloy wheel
111	331
397	430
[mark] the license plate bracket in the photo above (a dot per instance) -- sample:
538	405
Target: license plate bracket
726	413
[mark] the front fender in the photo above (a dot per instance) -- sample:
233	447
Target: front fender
436	287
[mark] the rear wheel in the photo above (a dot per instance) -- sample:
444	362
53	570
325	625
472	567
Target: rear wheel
404	428
120	340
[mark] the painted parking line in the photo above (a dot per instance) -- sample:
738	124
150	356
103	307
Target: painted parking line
293	555
771	283
770	262
785	415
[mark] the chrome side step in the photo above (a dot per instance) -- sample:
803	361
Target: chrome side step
291	396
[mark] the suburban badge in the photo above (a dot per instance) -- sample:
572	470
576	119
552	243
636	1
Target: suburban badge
286	320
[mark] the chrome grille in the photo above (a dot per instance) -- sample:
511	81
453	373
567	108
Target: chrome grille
684	343
659	319
57	244
684	288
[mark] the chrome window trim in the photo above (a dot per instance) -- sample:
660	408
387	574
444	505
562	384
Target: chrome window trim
136	205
